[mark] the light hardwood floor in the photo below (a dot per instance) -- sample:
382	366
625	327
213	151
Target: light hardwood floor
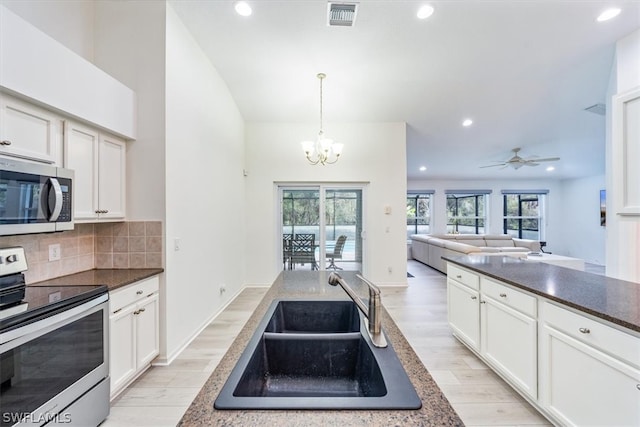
481	398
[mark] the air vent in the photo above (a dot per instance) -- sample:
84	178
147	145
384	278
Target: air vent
599	109
341	14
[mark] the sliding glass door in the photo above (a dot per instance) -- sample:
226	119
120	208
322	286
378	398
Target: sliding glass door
321	227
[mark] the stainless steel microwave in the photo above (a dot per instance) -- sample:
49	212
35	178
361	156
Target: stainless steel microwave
34	198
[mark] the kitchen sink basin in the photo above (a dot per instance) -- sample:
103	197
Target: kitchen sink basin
314	317
336	365
295	362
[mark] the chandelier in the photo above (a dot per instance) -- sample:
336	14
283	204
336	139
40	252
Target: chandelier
323	151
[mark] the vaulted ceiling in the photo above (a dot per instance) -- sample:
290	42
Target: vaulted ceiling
523	71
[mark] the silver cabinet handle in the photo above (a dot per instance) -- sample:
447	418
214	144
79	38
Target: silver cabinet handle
5	142
638	386
117	311
474	297
483	302
584	330
141	310
459	276
503	295
139	292
136	312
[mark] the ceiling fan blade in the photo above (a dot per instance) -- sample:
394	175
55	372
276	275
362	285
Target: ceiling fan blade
493	166
548	159
530	163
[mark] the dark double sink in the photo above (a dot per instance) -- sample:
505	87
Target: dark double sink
312	355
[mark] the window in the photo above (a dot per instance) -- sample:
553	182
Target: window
522	213
419	212
467	211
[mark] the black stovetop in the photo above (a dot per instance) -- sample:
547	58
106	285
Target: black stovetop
43	301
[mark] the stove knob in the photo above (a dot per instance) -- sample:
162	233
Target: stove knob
11	258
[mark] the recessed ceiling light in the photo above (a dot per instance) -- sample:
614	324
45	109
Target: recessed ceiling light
608	14
467	122
423	168
550	168
425	11
243	8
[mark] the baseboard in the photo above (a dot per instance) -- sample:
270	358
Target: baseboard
166	361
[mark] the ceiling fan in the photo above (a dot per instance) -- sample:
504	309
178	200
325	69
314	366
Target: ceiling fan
517	162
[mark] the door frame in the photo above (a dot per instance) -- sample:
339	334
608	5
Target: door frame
321	187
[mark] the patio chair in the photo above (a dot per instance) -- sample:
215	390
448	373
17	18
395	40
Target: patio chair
286	250
337	253
303	250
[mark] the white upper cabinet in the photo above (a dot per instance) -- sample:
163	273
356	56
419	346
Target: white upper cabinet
100	166
111	177
29	132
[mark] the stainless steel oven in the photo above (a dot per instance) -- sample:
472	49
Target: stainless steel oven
54	355
34	198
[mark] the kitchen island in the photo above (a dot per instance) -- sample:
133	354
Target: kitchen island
566	340
308	285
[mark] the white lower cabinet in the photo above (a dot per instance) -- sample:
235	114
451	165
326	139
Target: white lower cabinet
133	331
509	343
584	379
464	313
578	371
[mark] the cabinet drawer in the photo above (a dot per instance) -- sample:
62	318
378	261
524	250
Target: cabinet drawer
619	344
133	293
463	276
509	296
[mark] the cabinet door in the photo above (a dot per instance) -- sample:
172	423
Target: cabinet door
583	386
509	343
111	179
81	155
29	132
147	330
464	313
122	357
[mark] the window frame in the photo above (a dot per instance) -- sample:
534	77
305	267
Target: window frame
479	221
417	194
525	196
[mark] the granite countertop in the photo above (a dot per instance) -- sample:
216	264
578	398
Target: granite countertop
112	278
613	300
435	411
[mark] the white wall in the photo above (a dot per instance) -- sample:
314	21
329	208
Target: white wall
133	51
204	188
70	22
373	154
581	233
623	232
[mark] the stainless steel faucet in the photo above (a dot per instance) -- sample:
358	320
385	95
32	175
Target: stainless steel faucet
372	313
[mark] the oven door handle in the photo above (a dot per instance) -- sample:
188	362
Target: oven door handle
55	199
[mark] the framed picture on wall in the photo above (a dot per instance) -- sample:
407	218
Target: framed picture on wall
603	208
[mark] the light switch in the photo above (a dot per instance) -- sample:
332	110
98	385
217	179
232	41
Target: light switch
387	210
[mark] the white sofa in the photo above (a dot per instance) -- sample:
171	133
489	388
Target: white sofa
430	248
